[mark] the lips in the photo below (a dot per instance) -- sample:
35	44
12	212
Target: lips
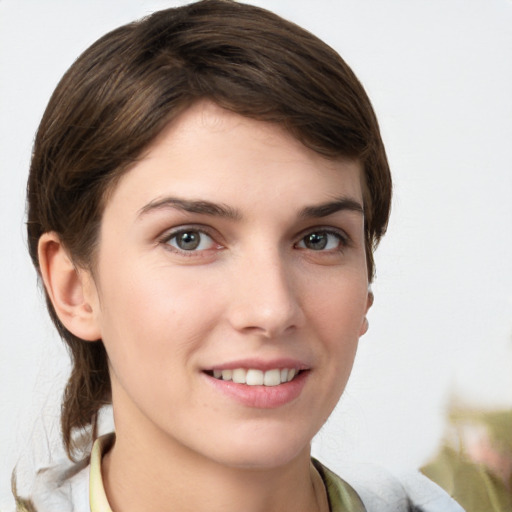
264	385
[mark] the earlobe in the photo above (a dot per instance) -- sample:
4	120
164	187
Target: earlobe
71	291
369	302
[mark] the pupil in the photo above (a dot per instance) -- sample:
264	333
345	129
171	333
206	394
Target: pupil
316	241
188	241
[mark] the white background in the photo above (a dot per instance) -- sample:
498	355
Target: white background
439	73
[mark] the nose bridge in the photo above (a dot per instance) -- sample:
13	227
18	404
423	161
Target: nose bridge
265	297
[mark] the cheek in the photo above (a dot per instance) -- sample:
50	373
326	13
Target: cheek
336	313
150	315
338	306
152	331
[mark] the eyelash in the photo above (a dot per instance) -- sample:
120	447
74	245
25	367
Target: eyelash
343	240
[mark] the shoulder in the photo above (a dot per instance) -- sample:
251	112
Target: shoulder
70	487
381	491
63	487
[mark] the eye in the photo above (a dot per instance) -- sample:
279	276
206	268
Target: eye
322	240
190	240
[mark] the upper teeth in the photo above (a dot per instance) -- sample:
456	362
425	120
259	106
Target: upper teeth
253	377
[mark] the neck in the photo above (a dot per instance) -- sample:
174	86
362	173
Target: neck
165	476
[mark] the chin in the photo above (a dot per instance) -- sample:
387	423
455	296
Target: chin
264	450
264	460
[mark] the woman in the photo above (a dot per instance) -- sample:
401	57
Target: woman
206	191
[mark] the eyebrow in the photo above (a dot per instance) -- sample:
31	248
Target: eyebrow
203	207
225	211
326	209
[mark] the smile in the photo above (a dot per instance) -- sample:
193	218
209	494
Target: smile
260	384
255	377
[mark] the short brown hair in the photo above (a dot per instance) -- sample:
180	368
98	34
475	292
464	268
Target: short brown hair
121	92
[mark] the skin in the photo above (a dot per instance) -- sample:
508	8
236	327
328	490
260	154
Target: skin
255	289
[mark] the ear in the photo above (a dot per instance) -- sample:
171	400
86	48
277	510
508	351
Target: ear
369	302
72	291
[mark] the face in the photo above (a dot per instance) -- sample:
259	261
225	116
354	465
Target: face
230	289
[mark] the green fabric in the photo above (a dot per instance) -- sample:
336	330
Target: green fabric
472	485
342	497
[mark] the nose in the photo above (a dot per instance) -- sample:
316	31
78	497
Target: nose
264	298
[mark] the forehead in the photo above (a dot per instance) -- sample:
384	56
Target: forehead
211	153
